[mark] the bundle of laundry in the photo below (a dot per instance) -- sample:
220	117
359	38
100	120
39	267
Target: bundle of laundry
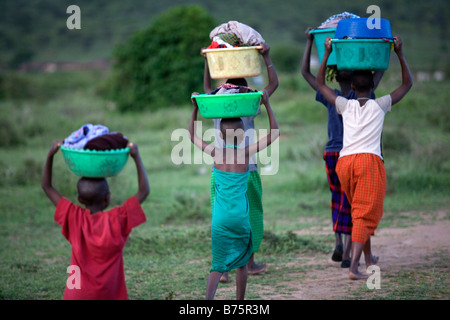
234	34
227	88
333	21
95	137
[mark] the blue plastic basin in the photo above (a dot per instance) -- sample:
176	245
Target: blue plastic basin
359	28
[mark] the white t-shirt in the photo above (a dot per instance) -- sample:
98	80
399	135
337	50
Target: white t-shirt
362	124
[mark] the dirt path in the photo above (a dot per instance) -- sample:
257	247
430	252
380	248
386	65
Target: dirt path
409	248
398	248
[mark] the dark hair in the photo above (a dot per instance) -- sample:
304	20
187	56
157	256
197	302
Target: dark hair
344	75
92	190
238	82
363	80
230	124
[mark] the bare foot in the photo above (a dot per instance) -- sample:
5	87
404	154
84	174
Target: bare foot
372	260
357	275
257	268
224	277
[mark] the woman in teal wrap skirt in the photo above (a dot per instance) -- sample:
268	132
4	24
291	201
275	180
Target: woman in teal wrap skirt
231	233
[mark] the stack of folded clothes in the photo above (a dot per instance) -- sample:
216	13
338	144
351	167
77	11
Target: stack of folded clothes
95	137
231	88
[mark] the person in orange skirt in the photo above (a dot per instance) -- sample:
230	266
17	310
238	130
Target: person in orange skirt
360	166
339	205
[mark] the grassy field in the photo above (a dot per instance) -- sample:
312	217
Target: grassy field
169	256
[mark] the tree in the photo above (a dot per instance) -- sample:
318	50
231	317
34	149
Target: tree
161	65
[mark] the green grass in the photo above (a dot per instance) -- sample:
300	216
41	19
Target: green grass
169	256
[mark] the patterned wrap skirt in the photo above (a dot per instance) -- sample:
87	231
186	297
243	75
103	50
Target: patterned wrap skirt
340	207
363	178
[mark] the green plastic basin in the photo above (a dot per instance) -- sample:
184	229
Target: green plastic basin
93	163
231	105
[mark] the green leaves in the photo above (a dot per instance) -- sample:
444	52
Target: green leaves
161	65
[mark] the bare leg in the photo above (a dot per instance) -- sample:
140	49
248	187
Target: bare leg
241	282
347	246
338	238
370	259
353	273
211	286
254	268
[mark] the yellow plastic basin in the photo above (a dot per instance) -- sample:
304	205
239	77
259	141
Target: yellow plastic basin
231	63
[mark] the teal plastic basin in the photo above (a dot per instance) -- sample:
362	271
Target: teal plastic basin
319	38
362	54
93	163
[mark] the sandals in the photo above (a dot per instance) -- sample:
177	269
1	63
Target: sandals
337	253
345	263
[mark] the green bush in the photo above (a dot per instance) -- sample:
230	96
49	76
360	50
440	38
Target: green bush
161	65
14	86
287	58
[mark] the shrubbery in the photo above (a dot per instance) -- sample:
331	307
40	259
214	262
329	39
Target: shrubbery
161	65
287	58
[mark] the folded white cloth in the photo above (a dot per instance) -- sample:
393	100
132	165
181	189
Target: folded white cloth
227	91
220	41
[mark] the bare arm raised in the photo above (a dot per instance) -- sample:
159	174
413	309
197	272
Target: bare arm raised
46	181
207	82
407	81
271	72
143	186
329	94
306	60
274	132
199	142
